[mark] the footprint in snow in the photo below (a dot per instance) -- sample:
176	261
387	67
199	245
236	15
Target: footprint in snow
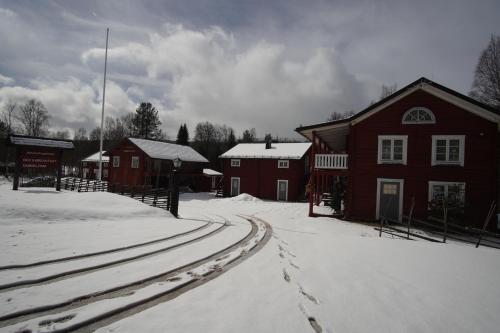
286	276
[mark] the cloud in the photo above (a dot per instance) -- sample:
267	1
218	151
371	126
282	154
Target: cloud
5	80
7	13
211	77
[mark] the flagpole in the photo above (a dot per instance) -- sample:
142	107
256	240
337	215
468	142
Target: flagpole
103	98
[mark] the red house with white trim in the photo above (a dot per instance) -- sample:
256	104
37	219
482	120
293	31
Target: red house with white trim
276	171
137	162
90	166
424	143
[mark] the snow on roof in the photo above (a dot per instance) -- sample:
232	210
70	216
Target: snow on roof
168	151
210	172
95	157
277	151
40	142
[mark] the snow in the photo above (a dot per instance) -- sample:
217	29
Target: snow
168	151
41	142
210	172
95	157
258	150
339	273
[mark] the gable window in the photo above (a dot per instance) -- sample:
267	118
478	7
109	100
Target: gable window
235	163
451	192
135	162
392	149
448	149
116	161
282	164
419	115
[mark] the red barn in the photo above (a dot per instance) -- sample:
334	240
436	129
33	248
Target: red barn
277	171
136	162
424	143
90	166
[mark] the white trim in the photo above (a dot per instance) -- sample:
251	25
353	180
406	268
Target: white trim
434	182
239	186
418	122
134	158
278	189
392	138
116	161
461	157
235	163
401	194
286	164
477	110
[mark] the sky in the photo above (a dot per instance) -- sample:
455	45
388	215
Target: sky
268	65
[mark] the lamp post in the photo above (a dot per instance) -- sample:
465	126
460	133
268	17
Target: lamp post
174	187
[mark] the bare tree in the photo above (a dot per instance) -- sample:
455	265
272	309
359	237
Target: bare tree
8	116
486	85
388	90
95	134
340	115
80	134
61	135
34	118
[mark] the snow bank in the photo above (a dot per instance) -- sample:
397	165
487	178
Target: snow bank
245	197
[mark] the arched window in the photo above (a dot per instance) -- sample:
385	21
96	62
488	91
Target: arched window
419	115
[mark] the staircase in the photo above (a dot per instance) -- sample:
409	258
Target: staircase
219	190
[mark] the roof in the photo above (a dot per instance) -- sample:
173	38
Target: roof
423	83
95	157
210	172
293	151
168	151
32	141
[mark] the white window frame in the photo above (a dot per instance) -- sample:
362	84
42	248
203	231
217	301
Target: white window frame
235	163
446	184
239	186
136	164
404	138
278	189
283	164
461	151
116	161
432	121
401	195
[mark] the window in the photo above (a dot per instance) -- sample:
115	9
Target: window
453	193
235	163
135	162
392	149
105	173
419	115
283	164
116	161
448	149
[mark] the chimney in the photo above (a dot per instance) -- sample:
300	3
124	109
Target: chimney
269	141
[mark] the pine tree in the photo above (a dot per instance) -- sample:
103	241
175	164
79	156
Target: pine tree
183	136
146	123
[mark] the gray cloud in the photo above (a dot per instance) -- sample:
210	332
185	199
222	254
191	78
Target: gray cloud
269	65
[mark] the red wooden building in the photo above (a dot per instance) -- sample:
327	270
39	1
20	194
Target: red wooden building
136	162
424	142
90	166
275	171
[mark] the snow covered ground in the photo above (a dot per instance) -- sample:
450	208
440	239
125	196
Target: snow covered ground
313	273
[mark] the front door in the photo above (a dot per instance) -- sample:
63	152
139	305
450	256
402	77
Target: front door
282	190
390	195
235	186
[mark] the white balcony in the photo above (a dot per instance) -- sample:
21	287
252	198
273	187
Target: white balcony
331	161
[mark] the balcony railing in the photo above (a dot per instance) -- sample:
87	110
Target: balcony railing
331	161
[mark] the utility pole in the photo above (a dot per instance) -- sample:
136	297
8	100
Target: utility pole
103	98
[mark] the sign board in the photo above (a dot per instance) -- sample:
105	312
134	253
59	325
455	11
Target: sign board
39	159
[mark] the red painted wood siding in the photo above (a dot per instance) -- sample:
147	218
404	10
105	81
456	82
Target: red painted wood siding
259	177
125	174
479	171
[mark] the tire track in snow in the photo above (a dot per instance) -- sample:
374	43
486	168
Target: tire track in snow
182	280
98	253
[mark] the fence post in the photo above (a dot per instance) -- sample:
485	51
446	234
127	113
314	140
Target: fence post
143	193
410	216
445	219
493	206
155	198
132	191
381	226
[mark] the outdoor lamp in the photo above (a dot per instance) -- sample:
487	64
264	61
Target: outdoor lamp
177	163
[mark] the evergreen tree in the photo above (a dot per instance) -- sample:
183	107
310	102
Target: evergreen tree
183	136
146	123
231	139
249	136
